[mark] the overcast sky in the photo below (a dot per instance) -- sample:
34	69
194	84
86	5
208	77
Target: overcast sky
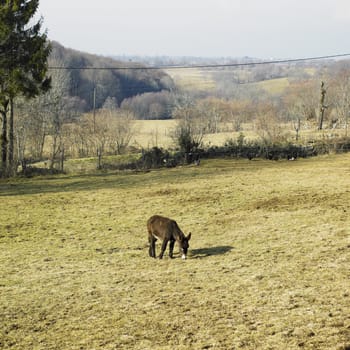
255	28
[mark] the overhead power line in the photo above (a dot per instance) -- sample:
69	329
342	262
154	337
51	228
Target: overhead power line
220	65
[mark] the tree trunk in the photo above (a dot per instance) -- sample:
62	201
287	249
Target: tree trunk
41	146
11	139
53	152
3	169
297	129
322	106
99	158
62	159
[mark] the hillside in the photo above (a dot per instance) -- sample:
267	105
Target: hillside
224	75
113	79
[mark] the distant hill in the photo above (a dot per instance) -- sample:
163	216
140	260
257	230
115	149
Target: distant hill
228	77
111	78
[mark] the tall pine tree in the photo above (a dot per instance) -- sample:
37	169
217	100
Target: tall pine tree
24	51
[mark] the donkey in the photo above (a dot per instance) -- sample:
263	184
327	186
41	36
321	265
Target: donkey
167	230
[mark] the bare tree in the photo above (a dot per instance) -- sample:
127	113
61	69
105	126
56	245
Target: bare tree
122	129
191	126
31	128
340	96
212	111
110	103
56	105
268	125
110	132
295	112
323	105
300	102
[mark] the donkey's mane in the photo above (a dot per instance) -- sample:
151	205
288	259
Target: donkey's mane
177	231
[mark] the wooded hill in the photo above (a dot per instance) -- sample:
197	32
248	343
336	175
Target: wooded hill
112	81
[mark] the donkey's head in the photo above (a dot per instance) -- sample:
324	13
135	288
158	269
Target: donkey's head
184	245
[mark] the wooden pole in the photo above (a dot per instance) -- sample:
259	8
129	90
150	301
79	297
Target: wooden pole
94	108
323	107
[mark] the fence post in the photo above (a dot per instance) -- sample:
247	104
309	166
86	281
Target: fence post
62	159
99	158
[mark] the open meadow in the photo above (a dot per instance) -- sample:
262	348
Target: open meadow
268	265
192	79
160	133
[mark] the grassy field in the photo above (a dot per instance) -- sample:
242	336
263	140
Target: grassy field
268	266
273	86
150	133
154	133
197	79
159	133
192	79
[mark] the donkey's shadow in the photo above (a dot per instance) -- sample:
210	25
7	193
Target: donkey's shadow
205	252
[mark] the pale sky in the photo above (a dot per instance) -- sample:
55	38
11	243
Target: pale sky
215	28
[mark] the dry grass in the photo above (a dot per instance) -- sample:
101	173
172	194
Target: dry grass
159	133
192	79
274	86
202	80
150	133
268	266
154	133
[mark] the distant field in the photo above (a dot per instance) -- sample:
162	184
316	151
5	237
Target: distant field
268	265
274	86
202	80
192	79
154	133
150	133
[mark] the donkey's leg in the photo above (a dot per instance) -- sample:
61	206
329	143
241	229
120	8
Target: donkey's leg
152	246
164	244
171	248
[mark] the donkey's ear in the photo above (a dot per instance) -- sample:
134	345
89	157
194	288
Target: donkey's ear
189	236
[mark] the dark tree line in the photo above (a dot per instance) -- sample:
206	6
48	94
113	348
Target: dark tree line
109	81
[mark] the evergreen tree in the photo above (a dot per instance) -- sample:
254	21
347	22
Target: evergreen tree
24	50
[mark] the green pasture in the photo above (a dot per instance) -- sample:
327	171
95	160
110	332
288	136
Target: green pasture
268	266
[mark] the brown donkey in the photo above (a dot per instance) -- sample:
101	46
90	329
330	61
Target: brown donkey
167	230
